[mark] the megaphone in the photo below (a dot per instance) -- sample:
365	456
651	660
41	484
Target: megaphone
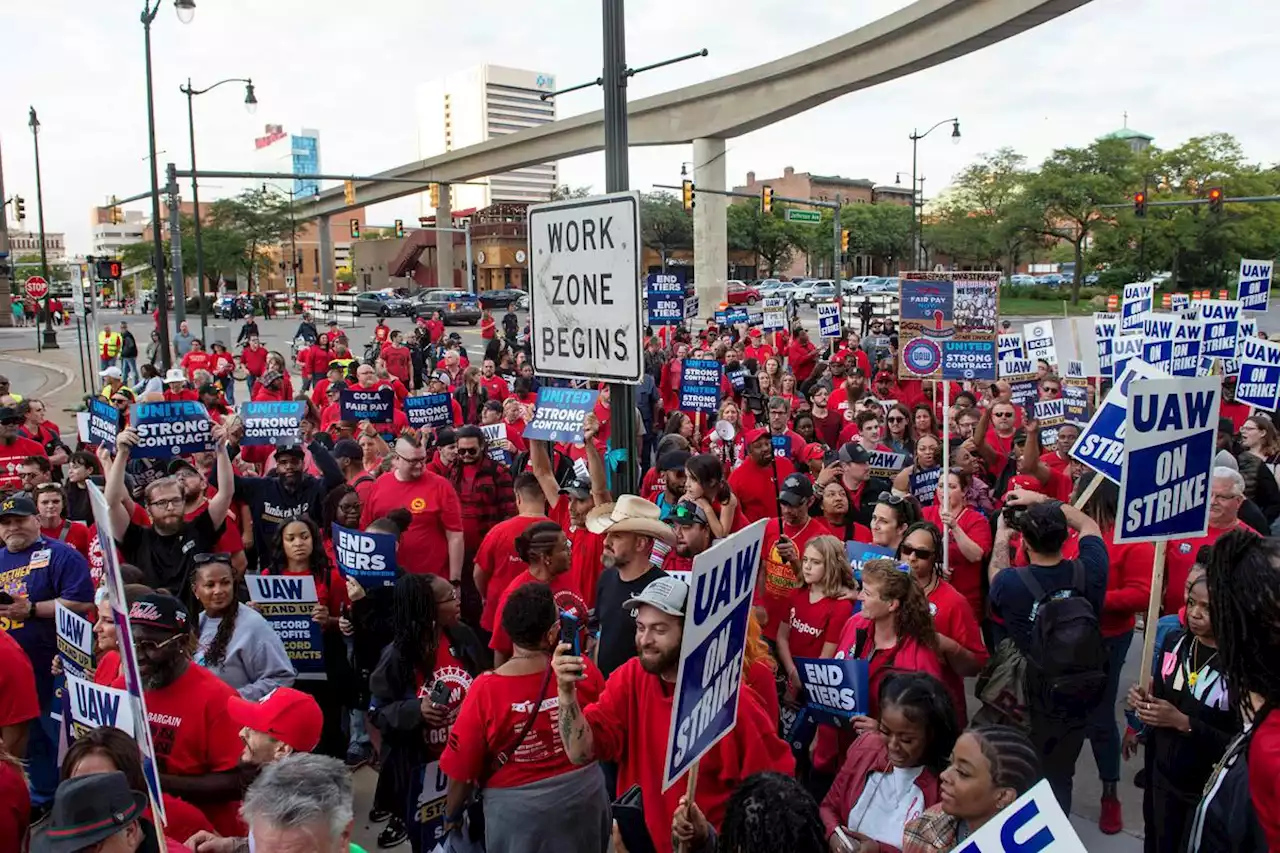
724	429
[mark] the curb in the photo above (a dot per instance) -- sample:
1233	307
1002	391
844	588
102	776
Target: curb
68	378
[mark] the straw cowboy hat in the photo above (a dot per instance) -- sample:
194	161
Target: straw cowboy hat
630	514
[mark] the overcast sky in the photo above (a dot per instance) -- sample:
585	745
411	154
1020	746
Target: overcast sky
1179	67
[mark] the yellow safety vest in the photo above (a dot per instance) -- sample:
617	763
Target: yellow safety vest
109	344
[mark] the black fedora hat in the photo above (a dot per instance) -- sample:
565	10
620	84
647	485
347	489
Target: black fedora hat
86	810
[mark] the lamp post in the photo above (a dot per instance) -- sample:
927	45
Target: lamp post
250	104
293	243
50	336
917	203
186	9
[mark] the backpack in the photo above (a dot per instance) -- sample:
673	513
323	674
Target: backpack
1067	662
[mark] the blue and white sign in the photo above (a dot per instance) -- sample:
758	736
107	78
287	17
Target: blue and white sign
1105	327
1221	320
1136	303
1248	329
737	316
968	360
1169	440
1009	345
104	423
836	690
428	792
1039	338
272	423
860	552
429	410
699	385
1157	346
1125	348
1075	402
1101	442
781	446
170	430
1187	332
923	485
494	433
1179	301
559	414
1255	284
1033	823
361	404
774	318
828	320
1259	383
705	706
287	603
370	558
93	706
665	300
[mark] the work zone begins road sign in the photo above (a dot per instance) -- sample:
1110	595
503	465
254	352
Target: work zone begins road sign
585	309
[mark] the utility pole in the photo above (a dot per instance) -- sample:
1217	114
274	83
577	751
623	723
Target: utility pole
175	244
6	281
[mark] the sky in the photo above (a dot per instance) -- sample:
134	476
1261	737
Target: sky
1179	68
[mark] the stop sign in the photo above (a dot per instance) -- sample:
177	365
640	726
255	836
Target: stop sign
37	287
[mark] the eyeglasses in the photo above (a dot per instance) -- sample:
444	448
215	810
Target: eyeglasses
922	553
1002	414
28	475
1052	389
164	502
890	498
219	557
412	460
452	596
150	646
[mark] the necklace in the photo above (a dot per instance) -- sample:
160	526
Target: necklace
1194	674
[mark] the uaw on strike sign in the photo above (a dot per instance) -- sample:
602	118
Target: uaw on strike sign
584	311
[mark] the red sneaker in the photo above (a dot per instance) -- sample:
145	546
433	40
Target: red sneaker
1111	821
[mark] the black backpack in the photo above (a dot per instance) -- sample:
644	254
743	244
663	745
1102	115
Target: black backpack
1067	662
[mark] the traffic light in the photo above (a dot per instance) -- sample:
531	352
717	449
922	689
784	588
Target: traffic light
399	227
686	191
105	269
349	191
1139	205
844	240
1215	200
355	229
19	208
435	196
766	199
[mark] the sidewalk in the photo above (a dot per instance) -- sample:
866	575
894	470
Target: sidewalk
53	375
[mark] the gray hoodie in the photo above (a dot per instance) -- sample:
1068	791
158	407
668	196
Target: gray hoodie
255	662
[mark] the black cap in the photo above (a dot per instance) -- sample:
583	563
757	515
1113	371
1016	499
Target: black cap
210	388
161	611
578	487
18	504
179	464
796	490
290	450
673	459
332	323
688	512
854	453
87	810
8	413
446	437
347	449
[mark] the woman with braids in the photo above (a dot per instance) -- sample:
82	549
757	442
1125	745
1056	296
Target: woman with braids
990	767
890	774
418	686
236	643
544	547
960	643
768	812
1240	810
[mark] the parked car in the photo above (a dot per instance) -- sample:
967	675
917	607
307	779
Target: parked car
1091	278
1022	280
522	304
500	298
881	284
823	290
455	306
382	305
741	293
1053	279
769	286
858	283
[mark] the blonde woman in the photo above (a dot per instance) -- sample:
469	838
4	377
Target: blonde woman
819	607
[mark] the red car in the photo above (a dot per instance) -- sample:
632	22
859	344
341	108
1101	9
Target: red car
741	293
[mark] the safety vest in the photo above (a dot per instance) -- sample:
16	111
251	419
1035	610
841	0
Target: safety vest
109	344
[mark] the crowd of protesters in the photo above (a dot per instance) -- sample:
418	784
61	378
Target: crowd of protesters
529	645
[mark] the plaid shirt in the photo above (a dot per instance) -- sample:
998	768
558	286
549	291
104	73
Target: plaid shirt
488	499
935	831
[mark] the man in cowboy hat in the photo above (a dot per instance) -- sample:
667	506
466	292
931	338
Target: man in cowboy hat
97	812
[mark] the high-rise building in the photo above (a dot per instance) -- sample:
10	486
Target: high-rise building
475	106
298	153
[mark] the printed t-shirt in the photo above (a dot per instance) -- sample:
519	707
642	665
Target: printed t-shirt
435	510
1003	446
568	600
629	725
193	361
43	572
11	456
97	564
449	669
495	712
1180	555
815	623
953	617
497	558
966	574
167	562
587	551
651	485
778	578
19	701
77	536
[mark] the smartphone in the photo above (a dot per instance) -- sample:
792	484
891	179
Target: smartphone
439	693
5	598
569	632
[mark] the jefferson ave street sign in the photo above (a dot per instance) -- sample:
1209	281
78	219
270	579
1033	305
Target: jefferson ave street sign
794	215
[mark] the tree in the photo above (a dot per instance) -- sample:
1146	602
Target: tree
262	218
664	225
564	193
769	237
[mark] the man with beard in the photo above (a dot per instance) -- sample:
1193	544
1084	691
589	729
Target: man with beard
197	745
494	385
14	449
757	480
195	494
486	497
693	536
671	471
847	393
166	550
629	723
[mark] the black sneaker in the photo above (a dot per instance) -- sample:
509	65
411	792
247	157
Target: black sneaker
359	756
392	834
377	815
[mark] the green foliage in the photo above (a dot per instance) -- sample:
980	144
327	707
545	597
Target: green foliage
663	223
768	236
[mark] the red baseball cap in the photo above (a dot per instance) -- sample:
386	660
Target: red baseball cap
1025	481
884	374
755	435
290	716
812	452
753	333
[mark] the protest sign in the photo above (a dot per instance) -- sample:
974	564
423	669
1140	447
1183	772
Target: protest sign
370	558
1259	384
781	445
559	414
699	385
948	326
1254	291
1101	442
1186	346
835	690
828	320
1136	303
1010	345
1075	370
1105	327
169	430
860	552
494	433
737	377
272	423
1033	822
104	423
775	314
722	318
1050	414
91	707
1157	344
885	464
1248	329
737	316
362	404
428	792
429	410
1179	301
665	300
1021	376
1039	337
1075	401
1221	320
1169	440
690	309
705	706
287	602
1124	349
75	641
923	485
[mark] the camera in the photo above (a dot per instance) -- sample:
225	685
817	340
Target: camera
1013	516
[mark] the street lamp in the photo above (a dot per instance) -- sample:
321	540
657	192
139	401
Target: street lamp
293	244
185	9
50	336
917	204
250	104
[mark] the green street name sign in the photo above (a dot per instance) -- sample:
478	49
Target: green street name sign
794	215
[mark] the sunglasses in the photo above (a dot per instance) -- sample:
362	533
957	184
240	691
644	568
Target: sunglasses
1002	414
922	553
468	451
152	646
897	420
890	498
412	460
218	557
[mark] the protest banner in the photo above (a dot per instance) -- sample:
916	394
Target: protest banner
75	641
781	445
91	706
1101	442
885	464
287	602
136	702
1254	288
1187	332
370	558
361	404
1157	343
429	410
1124	349
1105	327
1033	822
1075	370
859	552
1259	384
1179	301
665	300
705	706
835	690
1040	346
923	485
690	312
828	320
494	433
699	385
1075	394
1136	303
428	792
1009	345
948	325
169	430
737	316
272	423
737	376
722	318
559	413
775	314
1021	375
1221	320
1050	415
104	423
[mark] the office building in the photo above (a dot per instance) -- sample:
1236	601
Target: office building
277	150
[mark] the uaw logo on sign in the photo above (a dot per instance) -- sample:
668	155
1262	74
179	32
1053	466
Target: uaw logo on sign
922	356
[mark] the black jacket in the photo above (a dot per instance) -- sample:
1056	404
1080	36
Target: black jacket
271	504
128	345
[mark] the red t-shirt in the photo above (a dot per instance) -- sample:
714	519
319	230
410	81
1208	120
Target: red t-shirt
382	333
194	735
496	709
434	505
15	808
254	360
966	575
230	542
953	617
449	669
756	491
1264	770
11	456
108	669
317	359
196	360
18	701
399	362
495	387
497	558
777	579
568	600
1180	555
815	623
651	485
587	549
77	536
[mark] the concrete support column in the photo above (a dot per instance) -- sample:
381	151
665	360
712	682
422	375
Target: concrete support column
327	275
710	242
444	239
